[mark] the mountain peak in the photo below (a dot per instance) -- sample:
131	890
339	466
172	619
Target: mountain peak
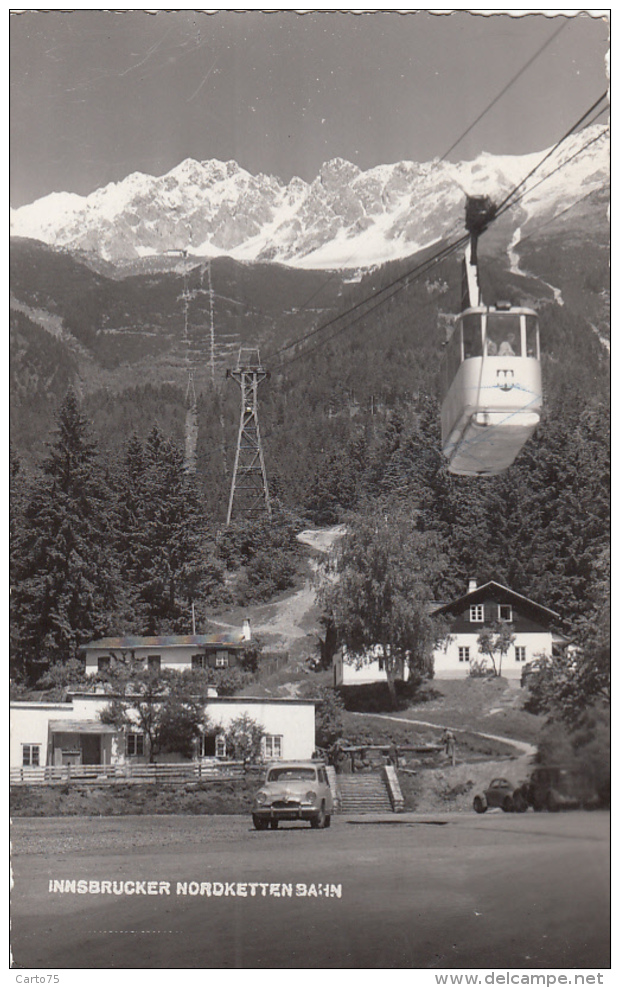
345	218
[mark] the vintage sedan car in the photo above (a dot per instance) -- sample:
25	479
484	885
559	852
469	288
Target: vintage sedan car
293	791
507	795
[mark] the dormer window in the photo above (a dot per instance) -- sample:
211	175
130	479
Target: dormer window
476	613
504	612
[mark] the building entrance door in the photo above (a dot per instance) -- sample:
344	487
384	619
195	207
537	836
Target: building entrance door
91	749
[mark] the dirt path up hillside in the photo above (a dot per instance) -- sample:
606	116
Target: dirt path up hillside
292	618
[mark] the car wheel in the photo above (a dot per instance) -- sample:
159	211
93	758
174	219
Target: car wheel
318	822
552	804
519	802
259	823
273	824
479	805
508	805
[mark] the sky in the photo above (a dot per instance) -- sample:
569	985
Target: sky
96	95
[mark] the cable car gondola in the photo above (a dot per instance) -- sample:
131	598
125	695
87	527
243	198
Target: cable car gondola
491	377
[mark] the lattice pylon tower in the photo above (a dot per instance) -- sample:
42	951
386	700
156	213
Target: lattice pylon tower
249	491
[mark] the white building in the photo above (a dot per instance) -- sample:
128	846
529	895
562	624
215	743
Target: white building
179	652
73	733
459	655
351	670
531	624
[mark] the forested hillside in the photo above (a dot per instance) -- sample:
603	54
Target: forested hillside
349	422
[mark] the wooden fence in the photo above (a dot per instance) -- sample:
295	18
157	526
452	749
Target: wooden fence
128	772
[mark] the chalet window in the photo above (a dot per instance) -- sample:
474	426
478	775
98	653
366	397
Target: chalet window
519	653
31	755
199	661
135	744
220	746
221	660
476	613
504	612
206	746
154	663
103	663
463	653
273	745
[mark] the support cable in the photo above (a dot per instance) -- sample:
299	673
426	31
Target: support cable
504	90
505	203
416	272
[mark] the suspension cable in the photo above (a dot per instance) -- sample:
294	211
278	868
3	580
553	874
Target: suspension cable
420	269
504	204
504	90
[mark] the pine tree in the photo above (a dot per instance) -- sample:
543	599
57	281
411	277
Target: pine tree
64	578
162	538
16	522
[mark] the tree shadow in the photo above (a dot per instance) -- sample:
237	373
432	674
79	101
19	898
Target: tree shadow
372	698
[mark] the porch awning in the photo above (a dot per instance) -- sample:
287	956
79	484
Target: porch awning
81	727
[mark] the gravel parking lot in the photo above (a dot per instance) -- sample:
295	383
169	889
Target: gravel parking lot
408	891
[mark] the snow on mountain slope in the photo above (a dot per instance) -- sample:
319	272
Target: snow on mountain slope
344	218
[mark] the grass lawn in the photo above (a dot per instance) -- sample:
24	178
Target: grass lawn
488	705
491	706
376	729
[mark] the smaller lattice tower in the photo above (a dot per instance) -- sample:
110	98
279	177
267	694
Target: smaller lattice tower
249	492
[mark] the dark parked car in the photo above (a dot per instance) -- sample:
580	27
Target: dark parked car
558	787
293	791
507	795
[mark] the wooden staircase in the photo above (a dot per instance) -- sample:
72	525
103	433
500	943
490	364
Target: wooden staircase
363	793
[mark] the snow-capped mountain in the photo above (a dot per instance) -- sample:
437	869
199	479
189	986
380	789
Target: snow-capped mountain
345	218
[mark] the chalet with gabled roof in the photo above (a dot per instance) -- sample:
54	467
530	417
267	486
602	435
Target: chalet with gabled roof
533	626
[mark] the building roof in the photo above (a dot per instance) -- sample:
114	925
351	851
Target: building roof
480	594
234	638
291	700
81	727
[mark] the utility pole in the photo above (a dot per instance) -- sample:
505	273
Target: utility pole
249	493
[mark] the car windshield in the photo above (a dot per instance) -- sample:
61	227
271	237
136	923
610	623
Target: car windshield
291	772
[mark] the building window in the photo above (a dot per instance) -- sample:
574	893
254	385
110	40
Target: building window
272	744
199	661
135	743
221	660
463	653
476	612
220	746
519	653
31	755
504	612
154	663
103	663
